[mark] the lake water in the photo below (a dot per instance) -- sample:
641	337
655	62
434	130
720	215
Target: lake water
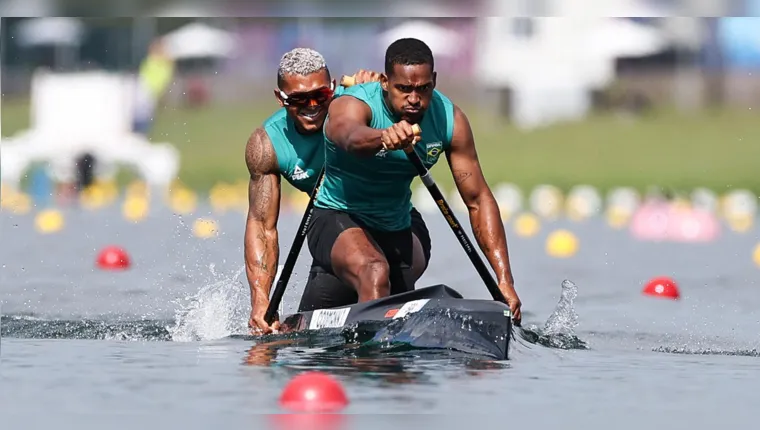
155	340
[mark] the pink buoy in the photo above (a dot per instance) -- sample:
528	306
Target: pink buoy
650	222
692	225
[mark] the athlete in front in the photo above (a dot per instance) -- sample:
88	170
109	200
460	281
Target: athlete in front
362	230
290	144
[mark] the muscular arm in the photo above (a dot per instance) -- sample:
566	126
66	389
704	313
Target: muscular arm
347	127
481	204
261	241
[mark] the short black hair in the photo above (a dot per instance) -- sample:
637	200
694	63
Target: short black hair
407	52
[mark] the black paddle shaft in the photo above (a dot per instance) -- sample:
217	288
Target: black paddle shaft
456	227
295	250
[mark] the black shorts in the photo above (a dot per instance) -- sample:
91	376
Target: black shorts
325	290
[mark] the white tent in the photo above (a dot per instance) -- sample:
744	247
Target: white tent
617	37
441	41
198	40
89	112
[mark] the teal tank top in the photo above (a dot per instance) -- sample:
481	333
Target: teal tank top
377	190
300	157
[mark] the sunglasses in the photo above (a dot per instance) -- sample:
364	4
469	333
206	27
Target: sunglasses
316	97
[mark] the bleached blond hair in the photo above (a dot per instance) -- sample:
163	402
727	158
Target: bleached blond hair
300	61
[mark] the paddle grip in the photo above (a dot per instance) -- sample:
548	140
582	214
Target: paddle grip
347	81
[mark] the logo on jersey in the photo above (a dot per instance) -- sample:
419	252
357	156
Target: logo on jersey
432	151
382	153
299	174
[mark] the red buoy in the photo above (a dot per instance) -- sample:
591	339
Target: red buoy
313	392
113	258
663	287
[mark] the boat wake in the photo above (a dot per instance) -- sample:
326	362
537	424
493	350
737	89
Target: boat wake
219	311
708	351
32	327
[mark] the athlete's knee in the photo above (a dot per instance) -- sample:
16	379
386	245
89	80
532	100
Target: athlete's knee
374	278
375	271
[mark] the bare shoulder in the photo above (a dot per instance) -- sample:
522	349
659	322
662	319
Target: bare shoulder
344	115
462	129
348	105
259	154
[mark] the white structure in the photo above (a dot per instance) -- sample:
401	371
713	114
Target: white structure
77	113
442	41
198	40
552	64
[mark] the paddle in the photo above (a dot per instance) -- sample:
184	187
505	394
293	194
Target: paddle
443	205
456	227
295	249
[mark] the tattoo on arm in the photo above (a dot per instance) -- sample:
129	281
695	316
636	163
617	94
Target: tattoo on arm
461	176
261	240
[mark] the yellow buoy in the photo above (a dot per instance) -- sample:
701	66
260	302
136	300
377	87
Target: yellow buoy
93	197
740	223
582	202
222	197
618	217
16	202
109	189
527	225
546	201
135	208
756	255
205	228
681	203
183	201
561	244
48	221
137	188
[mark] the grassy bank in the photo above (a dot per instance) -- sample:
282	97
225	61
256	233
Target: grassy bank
718	150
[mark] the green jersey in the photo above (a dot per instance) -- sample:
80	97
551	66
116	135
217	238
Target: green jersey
300	157
377	189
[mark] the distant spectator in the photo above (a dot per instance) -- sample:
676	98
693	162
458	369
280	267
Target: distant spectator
154	78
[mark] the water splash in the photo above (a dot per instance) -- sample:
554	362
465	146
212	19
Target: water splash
559	328
564	319
216	311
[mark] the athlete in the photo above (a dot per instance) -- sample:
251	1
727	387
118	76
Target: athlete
361	229
290	144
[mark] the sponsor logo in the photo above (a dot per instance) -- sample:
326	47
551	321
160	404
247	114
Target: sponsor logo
432	151
299	174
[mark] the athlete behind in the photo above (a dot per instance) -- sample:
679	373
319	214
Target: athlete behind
361	225
290	144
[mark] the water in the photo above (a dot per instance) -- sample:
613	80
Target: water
164	337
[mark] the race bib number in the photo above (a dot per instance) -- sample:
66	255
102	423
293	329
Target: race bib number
410	308
328	318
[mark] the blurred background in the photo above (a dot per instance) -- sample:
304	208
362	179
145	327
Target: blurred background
624	154
664	107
